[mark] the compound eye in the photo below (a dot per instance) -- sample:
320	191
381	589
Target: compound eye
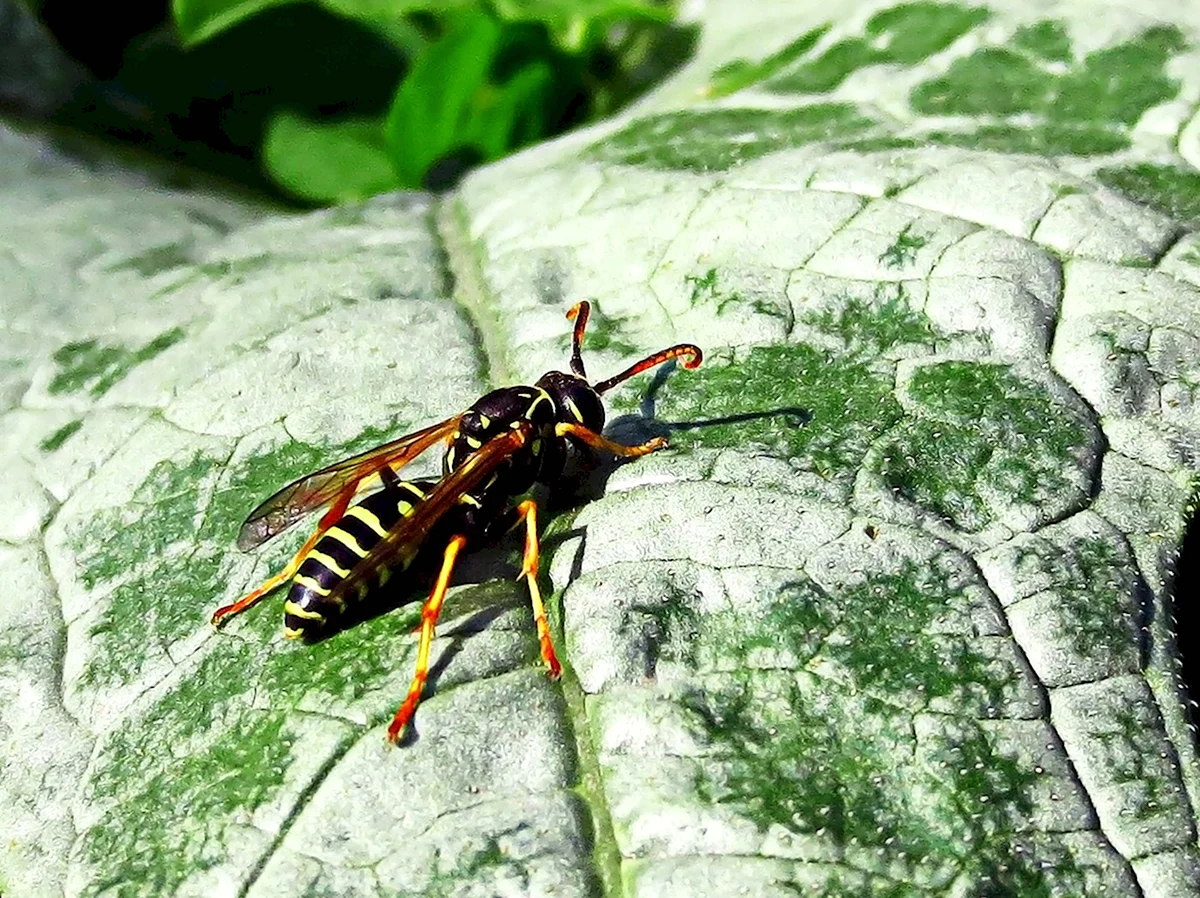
583	405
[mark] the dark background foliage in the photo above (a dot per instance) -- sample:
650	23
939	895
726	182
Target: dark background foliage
337	100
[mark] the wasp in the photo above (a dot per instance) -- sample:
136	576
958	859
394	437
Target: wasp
496	451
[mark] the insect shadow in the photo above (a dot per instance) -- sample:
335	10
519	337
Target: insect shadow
588	473
594	470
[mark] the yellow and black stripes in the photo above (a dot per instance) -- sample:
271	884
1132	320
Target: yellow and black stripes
340	549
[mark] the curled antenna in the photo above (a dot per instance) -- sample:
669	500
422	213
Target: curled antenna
579	314
665	355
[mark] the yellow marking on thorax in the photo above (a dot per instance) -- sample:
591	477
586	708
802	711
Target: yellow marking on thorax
347	539
484	421
473	443
542	396
574	409
468	499
290	607
368	517
310	584
323	559
292	633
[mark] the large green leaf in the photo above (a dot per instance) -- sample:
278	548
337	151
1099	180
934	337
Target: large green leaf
892	617
474	92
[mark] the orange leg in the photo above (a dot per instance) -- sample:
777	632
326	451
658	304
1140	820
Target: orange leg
596	441
429	616
529	570
331	517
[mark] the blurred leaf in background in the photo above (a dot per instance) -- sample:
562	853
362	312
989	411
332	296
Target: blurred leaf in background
486	87
341	99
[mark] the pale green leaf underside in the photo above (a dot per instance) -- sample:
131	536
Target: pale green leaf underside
893	616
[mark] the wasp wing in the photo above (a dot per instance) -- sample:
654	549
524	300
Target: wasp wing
321	487
404	540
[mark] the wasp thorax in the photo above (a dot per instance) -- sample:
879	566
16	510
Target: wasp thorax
576	401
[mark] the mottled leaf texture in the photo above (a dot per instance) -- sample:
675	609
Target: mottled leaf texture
892	617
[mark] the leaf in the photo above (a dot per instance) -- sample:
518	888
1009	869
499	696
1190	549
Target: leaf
200	20
465	94
327	162
577	23
893	616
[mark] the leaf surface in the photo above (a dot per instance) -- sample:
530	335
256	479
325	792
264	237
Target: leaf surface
892	617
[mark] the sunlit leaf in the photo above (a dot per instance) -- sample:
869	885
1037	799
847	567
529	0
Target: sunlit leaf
893	617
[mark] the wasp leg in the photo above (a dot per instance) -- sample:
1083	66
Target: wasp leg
331	517
596	441
529	570
429	616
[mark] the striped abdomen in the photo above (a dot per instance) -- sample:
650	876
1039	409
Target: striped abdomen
308	606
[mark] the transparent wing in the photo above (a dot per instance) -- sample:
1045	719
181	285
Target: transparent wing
406	538
321	487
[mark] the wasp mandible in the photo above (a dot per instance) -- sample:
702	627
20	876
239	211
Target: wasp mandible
496	450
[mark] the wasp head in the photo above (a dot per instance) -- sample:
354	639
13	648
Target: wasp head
576	401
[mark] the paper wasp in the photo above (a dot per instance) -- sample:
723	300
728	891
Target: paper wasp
496	450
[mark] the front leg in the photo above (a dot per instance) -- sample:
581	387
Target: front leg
596	441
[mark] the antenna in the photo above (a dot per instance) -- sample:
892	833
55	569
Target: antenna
579	314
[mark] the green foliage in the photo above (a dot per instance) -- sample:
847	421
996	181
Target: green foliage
484	87
199	20
483	77
329	162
